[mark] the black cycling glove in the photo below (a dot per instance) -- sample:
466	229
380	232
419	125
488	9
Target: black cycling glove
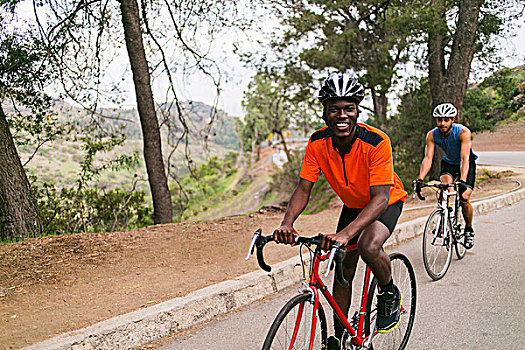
417	188
462	187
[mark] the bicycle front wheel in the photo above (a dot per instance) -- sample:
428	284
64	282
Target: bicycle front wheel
404	278
437	245
292	328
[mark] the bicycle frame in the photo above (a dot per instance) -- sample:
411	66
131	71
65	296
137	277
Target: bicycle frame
360	328
443	204
315	285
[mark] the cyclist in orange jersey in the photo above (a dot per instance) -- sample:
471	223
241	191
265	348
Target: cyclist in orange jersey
356	160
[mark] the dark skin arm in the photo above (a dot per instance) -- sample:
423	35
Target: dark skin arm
379	196
285	233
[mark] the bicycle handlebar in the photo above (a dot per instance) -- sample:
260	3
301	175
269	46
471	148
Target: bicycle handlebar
439	186
337	253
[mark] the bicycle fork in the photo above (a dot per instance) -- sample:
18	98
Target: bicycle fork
442	221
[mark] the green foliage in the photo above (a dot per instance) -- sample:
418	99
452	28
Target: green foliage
95	141
205	185
499	97
85	208
275	101
477	109
24	73
372	38
71	209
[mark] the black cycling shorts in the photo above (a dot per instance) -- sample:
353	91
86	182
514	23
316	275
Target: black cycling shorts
455	171
388	218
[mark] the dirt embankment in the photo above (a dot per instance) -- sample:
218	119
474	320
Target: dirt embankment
507	138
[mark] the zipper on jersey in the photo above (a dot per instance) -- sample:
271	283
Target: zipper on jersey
344	168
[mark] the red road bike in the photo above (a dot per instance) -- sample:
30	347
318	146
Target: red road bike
302	324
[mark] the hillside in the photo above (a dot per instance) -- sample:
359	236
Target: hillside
60	159
508	137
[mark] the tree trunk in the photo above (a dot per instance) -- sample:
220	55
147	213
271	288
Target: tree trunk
380	107
448	83
285	145
162	205
19	217
436	55
463	49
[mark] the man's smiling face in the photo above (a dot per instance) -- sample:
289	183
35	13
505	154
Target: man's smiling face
341	117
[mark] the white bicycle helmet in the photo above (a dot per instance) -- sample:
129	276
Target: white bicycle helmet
445	110
339	86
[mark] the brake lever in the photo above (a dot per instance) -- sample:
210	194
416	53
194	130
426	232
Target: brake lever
255	237
331	258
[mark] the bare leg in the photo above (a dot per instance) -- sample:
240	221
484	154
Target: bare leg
468	211
446	179
370	248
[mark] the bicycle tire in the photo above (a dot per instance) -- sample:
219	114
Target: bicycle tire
437	246
281	331
405	279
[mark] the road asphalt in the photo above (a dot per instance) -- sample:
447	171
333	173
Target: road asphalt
514	159
477	305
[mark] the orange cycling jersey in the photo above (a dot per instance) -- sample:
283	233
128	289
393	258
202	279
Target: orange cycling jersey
368	163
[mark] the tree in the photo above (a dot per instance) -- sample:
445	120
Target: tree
22	74
448	78
162	205
18	211
85	39
268	107
459	30
370	37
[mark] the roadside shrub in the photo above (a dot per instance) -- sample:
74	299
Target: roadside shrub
73	209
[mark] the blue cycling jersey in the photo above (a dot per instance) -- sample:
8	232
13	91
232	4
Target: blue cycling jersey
451	145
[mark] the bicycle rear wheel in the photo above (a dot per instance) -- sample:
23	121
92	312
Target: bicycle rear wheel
405	279
292	327
437	245
459	244
459	239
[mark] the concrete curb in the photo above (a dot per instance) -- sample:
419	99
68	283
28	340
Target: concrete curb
146	325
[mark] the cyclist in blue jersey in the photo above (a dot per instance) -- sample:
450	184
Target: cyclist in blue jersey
459	162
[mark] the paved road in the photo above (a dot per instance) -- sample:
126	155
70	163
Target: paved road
478	305
516	159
